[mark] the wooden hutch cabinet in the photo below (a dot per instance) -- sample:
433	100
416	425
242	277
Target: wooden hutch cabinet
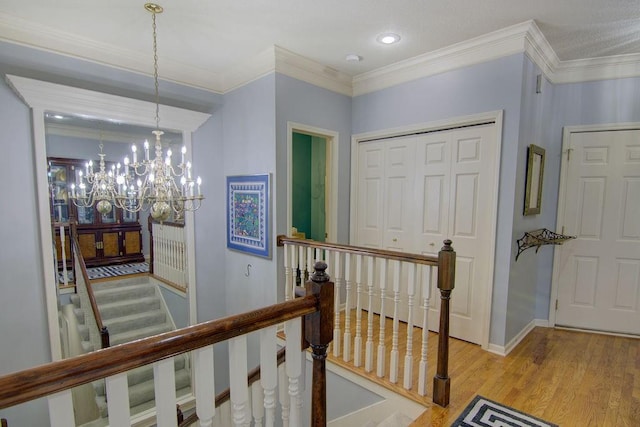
111	238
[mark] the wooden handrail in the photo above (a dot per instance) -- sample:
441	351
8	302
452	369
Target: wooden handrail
104	332
23	386
361	250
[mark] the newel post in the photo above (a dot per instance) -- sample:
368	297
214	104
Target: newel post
446	283
318	330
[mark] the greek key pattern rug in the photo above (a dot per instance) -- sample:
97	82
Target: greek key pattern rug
487	413
117	270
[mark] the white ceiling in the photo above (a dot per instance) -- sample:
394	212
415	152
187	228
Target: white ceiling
213	36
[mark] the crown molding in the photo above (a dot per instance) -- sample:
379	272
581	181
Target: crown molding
20	31
525	37
86	103
302	68
484	48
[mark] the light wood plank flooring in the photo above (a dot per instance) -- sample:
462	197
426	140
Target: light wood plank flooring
566	377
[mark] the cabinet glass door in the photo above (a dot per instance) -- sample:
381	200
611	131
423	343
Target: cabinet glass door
85	215
59	195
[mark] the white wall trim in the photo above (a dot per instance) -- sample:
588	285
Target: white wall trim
525	37
42	97
505	350
475	119
566	141
332	138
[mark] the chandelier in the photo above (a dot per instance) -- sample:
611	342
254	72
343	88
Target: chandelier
99	188
145	183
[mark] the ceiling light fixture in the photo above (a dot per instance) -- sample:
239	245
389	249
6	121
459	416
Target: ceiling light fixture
388	38
146	183
352	57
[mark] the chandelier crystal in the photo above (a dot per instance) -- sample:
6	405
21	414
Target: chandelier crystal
146	183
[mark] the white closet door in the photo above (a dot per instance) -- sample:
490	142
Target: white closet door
599	272
425	189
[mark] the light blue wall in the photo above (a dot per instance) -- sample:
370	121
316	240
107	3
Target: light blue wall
249	148
496	85
23	319
21	283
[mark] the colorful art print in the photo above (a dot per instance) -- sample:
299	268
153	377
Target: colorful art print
248	214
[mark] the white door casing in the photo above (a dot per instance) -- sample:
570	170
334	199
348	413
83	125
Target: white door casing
463	163
597	275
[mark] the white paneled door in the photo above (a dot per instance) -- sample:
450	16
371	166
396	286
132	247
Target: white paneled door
416	191
598	278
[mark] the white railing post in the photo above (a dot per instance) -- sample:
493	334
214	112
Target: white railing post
61	409
346	348
269	373
408	358
393	369
257	404
164	378
426	293
238	379
204	385
293	332
357	357
337	278
382	346
283	394
368	363
117	389
288	273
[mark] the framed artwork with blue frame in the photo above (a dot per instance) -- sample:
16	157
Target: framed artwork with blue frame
248	204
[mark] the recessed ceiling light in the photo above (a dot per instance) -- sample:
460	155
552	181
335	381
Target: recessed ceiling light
388	38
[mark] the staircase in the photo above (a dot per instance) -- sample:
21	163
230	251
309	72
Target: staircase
132	309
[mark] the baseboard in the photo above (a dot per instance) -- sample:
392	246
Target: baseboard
504	350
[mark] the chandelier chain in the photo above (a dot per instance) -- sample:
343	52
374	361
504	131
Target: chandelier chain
155	70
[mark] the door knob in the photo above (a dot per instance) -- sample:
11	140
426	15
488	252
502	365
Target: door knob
395	240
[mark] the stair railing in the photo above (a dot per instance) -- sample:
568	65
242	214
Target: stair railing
367	280
84	288
168	253
55	380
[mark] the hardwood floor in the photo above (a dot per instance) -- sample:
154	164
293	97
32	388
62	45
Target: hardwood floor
566	377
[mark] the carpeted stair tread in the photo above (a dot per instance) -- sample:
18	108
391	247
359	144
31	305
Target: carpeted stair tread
141	374
87	347
135	321
83	330
79	313
144	392
120	293
115	339
125	308
75	300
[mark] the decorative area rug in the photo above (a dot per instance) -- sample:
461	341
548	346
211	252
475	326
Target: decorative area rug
487	413
117	270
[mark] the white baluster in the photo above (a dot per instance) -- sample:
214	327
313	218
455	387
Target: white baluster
293	332
61	409
337	279
283	394
368	363
393	369
382	347
426	292
117	389
408	357
238	379
346	352
310	262
257	399
357	358
204	384
302	263
164	378
288	273
269	372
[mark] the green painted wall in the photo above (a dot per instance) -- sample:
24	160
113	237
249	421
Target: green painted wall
308	189
301	183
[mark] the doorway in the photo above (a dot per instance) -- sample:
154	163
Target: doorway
597	275
312	201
